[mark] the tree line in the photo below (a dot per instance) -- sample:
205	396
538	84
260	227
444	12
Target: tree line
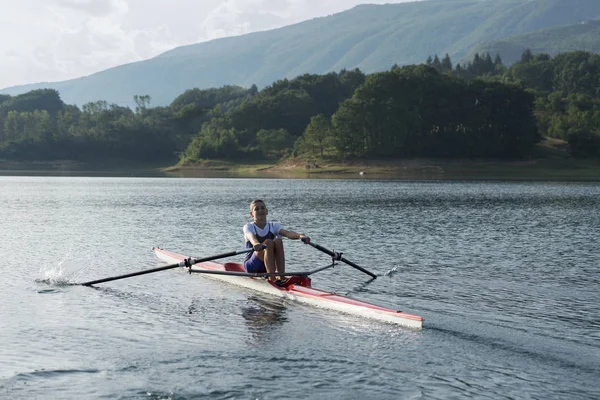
437	109
566	90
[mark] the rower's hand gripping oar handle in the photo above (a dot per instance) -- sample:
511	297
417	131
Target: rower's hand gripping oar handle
338	257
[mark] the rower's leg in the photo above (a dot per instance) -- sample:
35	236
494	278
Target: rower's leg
279	256
269	257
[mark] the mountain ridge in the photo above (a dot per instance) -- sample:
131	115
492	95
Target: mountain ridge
583	36
369	37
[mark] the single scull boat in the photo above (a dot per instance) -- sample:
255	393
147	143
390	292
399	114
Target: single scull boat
297	288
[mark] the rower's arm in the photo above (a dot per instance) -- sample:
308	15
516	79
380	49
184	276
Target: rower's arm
251	237
293	235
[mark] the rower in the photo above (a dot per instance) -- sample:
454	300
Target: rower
261	232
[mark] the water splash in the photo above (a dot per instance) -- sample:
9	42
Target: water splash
160	396
392	271
59	274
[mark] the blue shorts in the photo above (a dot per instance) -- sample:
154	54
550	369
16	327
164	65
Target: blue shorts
255	264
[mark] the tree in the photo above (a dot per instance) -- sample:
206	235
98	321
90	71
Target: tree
577	72
446	63
489	64
142	103
526	56
274	141
40	99
498	60
436	63
12	129
537	73
350	81
209	98
216	139
253	91
316	137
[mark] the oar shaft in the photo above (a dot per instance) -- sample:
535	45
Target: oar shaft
148	271
258	274
246	274
358	267
181	264
334	255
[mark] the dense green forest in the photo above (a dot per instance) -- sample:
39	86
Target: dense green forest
480	109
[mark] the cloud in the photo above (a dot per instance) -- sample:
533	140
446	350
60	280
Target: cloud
93	7
55	40
235	17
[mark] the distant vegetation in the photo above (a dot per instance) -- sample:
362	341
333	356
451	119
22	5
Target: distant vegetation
479	109
584	35
369	37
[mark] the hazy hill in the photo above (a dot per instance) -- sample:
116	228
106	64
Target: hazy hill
370	37
582	36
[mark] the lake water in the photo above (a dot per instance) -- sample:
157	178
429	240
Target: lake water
506	276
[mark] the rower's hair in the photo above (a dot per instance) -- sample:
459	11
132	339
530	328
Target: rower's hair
256	201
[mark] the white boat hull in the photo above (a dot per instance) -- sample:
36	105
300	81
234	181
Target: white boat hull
300	292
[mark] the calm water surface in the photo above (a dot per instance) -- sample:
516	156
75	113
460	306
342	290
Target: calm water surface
506	276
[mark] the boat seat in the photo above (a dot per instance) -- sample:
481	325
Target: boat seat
233	266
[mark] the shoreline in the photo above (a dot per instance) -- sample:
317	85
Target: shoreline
544	169
411	169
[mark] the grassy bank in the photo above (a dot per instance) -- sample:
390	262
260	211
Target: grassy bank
535	169
417	169
550	161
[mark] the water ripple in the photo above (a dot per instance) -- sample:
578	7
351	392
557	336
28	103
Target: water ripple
505	275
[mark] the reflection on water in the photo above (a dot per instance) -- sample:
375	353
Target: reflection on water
361	287
263	316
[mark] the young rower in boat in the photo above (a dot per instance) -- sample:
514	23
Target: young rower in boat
262	232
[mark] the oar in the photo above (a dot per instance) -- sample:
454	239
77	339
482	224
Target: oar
338	257
186	263
259	274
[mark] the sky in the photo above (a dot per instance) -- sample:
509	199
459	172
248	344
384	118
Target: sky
55	40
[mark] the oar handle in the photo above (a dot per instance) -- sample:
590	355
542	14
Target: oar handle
338	257
186	263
